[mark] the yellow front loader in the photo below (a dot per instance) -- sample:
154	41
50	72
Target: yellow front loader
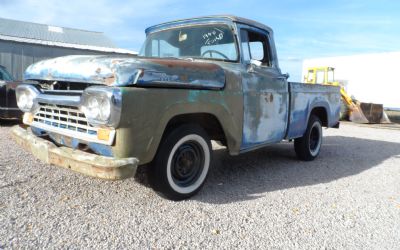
352	110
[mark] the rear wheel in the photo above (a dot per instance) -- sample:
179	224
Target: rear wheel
308	147
182	162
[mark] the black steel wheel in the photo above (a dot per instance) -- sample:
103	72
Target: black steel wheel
308	146
187	163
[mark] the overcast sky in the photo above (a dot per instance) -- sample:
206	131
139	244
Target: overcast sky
303	29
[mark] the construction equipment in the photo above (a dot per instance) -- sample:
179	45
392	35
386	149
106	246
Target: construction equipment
351	109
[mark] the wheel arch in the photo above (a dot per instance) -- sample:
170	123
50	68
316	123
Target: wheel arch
209	122
321	113
219	125
298	127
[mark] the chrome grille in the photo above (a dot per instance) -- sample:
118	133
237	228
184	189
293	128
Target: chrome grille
64	117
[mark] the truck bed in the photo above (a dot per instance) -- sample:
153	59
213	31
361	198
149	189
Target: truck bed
304	98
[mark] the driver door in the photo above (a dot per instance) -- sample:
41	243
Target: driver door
265	91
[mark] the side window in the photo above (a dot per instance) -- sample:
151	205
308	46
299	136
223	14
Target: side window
331	77
258	46
257	50
320	77
310	76
1	75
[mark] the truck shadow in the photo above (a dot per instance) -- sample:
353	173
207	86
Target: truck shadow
251	175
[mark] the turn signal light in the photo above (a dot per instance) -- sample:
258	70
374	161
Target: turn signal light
103	134
28	118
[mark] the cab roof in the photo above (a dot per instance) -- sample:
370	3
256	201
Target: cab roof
214	18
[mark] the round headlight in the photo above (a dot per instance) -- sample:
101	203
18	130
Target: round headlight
24	102
26	95
97	108
105	109
92	107
101	106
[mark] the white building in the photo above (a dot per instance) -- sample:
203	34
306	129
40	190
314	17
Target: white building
369	77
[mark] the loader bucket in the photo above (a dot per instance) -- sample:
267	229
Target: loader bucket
368	113
356	114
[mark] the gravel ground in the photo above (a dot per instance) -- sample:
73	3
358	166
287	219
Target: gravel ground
348	198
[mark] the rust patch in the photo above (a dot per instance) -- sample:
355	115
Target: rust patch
116	61
184	78
76	160
109	80
184	64
101	170
269	97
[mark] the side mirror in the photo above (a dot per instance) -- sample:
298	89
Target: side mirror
253	63
286	75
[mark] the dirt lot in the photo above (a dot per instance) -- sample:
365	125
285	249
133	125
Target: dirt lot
348	198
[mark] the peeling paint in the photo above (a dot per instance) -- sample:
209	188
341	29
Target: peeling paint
74	143
76	160
266	101
306	97
253	108
113	71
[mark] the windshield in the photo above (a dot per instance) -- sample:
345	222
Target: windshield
331	77
203	41
4	75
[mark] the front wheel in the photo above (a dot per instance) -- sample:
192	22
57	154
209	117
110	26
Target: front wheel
308	147
181	165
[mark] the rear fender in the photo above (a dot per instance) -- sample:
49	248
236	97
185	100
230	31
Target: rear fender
300	116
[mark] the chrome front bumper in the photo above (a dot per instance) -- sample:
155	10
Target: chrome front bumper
76	160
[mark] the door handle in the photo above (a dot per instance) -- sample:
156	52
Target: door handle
283	76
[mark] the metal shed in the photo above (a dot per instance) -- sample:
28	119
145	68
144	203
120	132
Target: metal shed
23	43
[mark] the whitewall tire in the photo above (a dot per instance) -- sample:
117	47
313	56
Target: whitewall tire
182	162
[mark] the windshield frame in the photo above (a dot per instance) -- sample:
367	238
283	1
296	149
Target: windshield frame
230	26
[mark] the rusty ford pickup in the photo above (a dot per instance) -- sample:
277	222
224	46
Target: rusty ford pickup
195	80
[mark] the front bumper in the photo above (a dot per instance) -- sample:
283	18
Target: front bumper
76	160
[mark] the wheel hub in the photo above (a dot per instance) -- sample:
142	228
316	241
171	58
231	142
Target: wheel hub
187	164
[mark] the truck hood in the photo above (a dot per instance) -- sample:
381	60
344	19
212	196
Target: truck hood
124	71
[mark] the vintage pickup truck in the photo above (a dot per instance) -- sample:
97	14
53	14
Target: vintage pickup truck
195	80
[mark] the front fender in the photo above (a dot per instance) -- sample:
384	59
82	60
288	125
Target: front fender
146	113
